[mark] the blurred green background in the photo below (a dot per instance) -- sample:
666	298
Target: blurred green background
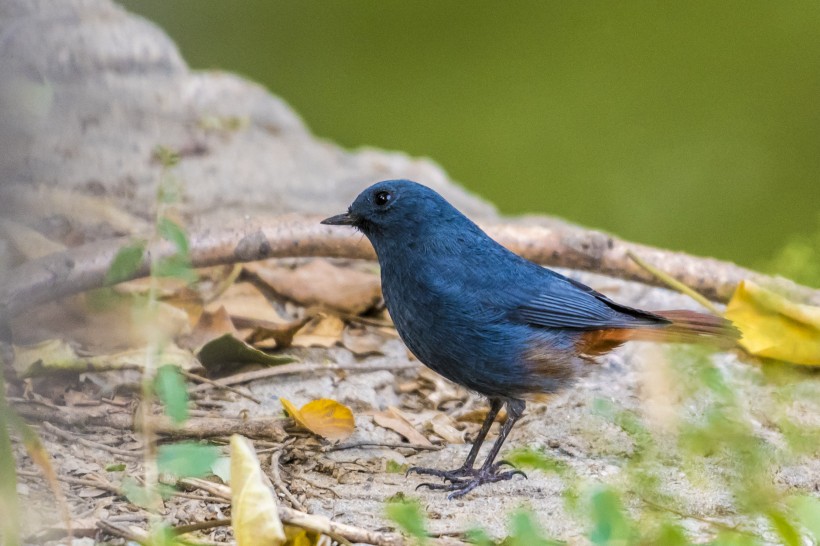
687	125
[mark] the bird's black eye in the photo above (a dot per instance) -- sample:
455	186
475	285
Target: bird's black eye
382	198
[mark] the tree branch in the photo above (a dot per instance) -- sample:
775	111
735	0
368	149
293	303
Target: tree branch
84	267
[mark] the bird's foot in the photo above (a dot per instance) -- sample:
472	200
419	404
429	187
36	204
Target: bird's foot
449	475
463	480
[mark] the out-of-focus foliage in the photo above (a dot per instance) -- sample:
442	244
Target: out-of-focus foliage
799	258
409	516
687	125
254	511
717	441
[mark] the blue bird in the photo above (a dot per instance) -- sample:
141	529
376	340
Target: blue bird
490	320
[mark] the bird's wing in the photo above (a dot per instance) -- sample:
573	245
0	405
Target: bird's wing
565	303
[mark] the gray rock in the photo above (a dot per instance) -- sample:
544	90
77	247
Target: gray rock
90	91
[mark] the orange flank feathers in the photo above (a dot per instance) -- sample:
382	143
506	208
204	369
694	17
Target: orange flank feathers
683	327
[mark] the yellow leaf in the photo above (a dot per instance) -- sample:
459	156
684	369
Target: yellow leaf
254	513
327	418
774	326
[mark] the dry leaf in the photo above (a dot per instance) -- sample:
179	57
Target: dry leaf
362	341
261	331
120	324
20	201
30	243
210	326
322	331
444	426
254	512
56	355
321	283
327	418
394	420
774	326
248	302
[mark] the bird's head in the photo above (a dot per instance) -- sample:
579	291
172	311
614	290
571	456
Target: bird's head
395	208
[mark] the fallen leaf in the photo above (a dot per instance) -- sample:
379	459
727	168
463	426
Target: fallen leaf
226	351
774	326
254	511
211	325
118	323
362	341
262	331
322	331
56	355
442	425
327	418
245	300
30	243
321	283
78	398
394	420
302	537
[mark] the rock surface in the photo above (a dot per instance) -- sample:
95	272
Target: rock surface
89	91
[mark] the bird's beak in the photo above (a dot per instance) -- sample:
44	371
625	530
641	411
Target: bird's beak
345	219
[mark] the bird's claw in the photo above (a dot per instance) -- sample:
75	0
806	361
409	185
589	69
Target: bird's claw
462	481
449	475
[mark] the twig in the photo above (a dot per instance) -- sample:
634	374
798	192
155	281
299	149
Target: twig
311	522
287	369
85	267
356	445
200	379
674	283
200	526
279	484
269	429
134	535
90	443
99	483
315	485
141	537
684	515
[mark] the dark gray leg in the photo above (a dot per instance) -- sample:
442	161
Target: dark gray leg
467	468
489	472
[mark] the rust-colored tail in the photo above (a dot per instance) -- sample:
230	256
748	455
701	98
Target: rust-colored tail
684	327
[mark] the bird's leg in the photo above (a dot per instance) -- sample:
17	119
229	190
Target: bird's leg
489	471
467	468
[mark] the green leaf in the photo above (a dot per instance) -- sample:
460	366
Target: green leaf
221	468
126	263
187	459
227	350
394	467
408	514
166	156
116	467
140	495
784	528
807	510
173	232
671	534
9	506
162	534
609	523
524	531
170	387
536	459
175	267
479	537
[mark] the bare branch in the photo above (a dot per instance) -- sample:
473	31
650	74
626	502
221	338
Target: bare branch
84	268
